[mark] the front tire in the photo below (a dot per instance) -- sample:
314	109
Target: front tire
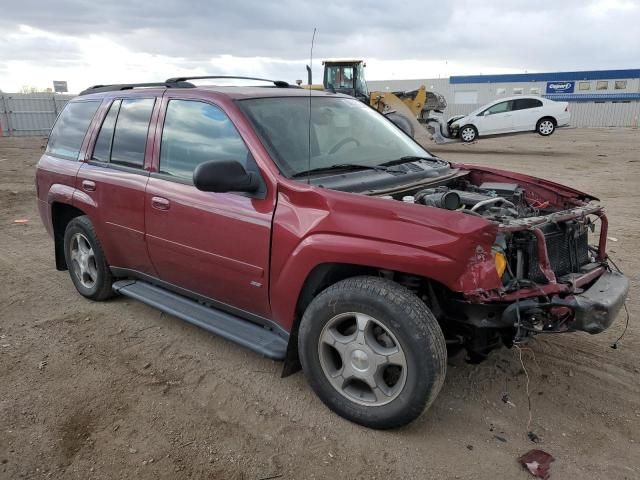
85	259
372	351
468	133
546	126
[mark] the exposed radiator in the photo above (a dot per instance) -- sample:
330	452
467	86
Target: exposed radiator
567	247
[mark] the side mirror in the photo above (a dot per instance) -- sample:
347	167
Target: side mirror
224	176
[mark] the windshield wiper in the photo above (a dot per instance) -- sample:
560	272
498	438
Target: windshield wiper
339	166
407	159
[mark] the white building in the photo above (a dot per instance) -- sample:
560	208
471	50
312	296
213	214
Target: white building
598	98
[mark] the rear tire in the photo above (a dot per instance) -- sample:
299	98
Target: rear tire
372	351
85	259
468	133
546	126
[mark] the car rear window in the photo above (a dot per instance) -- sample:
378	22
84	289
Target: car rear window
69	130
130	136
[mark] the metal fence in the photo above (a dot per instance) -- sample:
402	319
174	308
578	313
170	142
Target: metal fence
26	114
33	114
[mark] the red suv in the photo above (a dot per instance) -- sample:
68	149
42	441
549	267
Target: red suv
307	227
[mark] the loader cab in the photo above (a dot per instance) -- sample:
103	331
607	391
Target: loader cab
346	76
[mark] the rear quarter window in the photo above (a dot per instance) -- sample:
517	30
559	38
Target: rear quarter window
69	130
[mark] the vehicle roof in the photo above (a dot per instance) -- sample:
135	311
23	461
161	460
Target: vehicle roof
516	97
233	92
265	92
342	60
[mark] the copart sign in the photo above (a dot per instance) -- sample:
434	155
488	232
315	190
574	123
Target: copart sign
560	87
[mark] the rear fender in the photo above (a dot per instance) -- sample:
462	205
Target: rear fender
64	195
57	193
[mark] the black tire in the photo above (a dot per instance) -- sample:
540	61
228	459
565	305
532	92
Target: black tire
402	122
409	321
546	126
468	133
100	286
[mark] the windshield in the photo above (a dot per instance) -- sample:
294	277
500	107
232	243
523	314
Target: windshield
340	76
342	131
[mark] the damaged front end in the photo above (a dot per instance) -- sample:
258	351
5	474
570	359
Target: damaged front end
553	279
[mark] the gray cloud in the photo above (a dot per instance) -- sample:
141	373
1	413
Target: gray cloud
58	51
520	34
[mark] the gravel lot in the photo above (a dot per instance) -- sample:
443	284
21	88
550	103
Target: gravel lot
119	390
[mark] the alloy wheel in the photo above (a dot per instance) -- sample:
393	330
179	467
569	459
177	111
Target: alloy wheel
468	134
362	359
83	261
546	127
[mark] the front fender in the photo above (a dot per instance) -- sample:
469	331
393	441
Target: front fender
334	248
314	226
475	273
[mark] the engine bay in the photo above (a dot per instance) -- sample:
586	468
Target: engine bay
531	228
495	201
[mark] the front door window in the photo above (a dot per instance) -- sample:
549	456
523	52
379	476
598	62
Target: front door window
197	132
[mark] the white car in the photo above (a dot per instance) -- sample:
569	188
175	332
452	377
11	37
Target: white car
510	115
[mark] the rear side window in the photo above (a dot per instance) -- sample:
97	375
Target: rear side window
196	132
102	150
130	135
68	133
524	103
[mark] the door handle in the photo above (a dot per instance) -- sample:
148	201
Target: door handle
160	203
88	186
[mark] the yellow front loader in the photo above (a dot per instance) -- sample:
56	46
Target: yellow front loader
412	110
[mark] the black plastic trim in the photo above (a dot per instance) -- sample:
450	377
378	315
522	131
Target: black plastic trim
277	83
223	324
122	168
131	86
121	273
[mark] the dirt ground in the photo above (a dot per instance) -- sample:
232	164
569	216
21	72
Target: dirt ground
119	390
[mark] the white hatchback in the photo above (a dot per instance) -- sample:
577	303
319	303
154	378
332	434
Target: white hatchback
510	115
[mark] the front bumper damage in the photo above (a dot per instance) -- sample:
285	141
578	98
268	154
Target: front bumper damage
591	311
587	300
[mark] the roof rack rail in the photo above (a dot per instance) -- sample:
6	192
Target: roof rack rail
131	86
277	83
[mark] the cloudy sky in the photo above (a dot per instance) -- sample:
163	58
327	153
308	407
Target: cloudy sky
88	42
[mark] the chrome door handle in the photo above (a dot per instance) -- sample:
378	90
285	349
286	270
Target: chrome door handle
88	186
160	203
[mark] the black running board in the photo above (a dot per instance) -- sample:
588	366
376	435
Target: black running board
223	324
